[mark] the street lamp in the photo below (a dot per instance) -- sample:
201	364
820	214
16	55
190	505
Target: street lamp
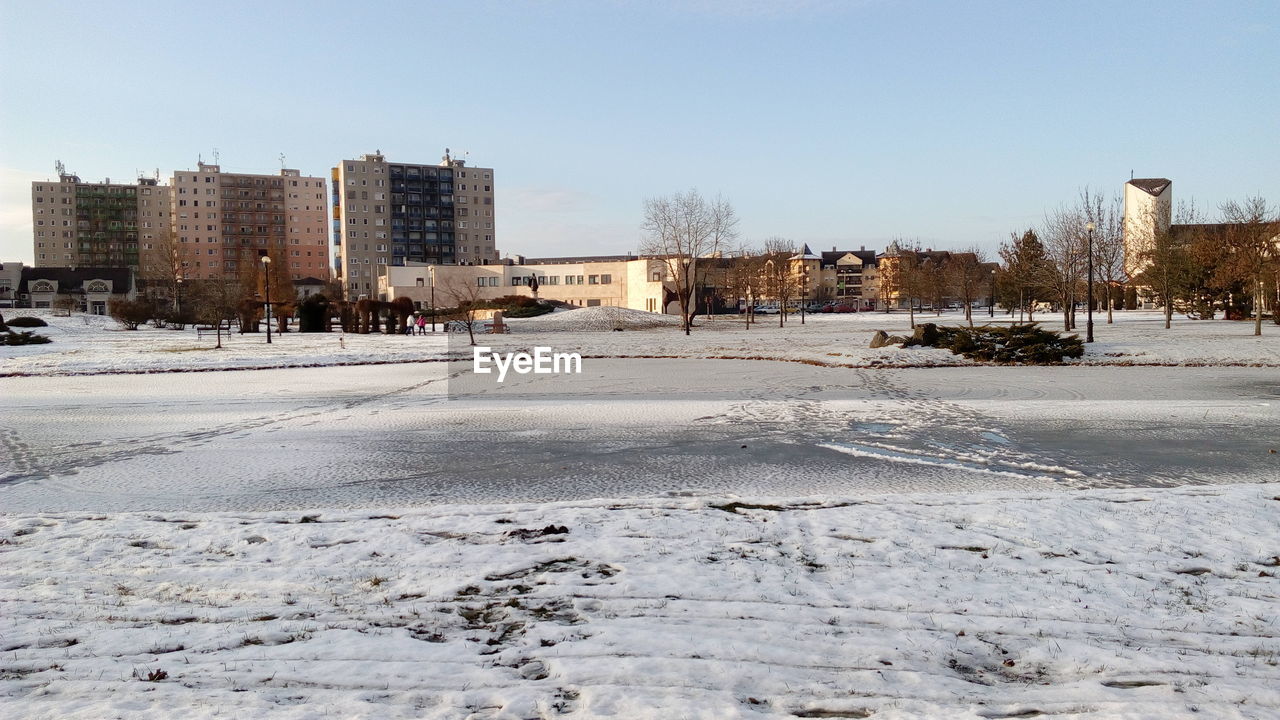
804	291
433	299
1088	337
266	269
178	295
991	299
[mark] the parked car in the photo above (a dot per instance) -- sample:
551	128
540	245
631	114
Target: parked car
767	310
843	308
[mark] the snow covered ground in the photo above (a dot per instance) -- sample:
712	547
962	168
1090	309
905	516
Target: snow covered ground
680	531
1092	604
93	344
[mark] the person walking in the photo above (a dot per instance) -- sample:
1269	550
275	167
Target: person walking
422	324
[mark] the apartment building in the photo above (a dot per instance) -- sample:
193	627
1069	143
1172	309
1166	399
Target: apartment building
98	225
221	220
388	213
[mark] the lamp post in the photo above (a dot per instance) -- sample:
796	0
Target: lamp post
266	269
991	299
433	299
178	295
1088	337
804	292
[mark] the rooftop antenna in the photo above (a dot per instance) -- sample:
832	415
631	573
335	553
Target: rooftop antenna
157	175
281	161
216	157
1130	174
62	169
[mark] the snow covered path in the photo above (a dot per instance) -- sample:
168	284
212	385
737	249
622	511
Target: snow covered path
1091	604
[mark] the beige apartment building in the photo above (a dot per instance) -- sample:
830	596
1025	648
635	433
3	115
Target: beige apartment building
104	225
220	221
389	214
611	280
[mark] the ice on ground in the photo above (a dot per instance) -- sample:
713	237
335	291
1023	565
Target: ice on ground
1087	605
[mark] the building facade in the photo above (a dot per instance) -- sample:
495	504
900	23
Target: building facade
612	281
389	214
202	226
106	224
222	221
1148	210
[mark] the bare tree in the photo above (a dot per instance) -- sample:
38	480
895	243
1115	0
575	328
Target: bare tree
967	276
467	296
215	303
932	269
744	281
902	276
162	267
781	282
1065	242
1169	268
1107	217
1252	249
682	228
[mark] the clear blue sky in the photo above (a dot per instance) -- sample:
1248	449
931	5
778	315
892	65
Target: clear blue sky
832	123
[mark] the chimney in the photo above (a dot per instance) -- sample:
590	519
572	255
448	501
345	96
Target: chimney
833	248
862	248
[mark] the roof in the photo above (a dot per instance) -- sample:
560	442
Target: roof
308	281
805	254
73	279
1152	186
579	259
868	257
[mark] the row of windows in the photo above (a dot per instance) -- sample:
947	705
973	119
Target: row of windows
605	279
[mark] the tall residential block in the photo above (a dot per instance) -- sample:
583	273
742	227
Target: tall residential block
222	220
388	213
106	224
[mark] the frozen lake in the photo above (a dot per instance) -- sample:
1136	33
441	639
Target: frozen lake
391	434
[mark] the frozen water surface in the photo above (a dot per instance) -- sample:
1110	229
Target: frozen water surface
394	435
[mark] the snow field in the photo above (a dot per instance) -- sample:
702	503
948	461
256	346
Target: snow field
93	344
1092	604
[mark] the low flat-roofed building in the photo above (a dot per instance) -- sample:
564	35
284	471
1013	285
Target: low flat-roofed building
610	280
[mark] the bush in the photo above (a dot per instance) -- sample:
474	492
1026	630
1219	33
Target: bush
27	322
26	337
313	314
130	313
1017	344
526	312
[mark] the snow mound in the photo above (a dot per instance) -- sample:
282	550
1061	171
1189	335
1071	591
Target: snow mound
599	319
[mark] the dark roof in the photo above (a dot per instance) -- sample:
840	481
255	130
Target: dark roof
1212	230
579	259
73	279
868	257
308	281
1153	186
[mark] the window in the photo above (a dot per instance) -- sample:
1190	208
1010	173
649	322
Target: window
656	276
593	279
606	279
493	281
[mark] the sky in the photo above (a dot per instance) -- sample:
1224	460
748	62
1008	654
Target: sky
841	124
